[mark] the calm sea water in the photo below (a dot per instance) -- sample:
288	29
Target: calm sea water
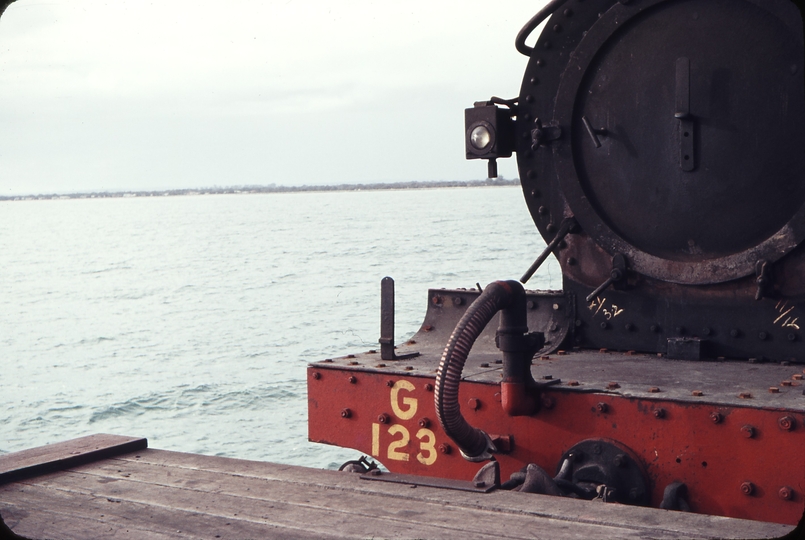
190	320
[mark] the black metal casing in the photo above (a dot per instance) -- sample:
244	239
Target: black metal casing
681	149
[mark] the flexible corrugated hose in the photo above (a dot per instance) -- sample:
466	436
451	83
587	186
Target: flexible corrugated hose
475	444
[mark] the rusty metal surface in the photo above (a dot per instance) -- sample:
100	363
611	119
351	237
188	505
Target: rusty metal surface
704	444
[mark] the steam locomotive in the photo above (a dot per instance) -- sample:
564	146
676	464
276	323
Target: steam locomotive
661	151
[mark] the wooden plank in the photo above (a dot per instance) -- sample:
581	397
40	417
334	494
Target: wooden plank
674	524
157	493
62	455
419	520
54	523
41	512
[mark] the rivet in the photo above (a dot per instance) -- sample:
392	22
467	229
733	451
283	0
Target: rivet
328	360
550	228
540	62
762	336
409	368
786	493
547	45
389	383
619	460
786	423
748	431
474	403
745	395
534	81
381	365
603	325
602	407
536	193
654	389
797	376
792	336
557	28
548	402
346	413
532	174
571	261
654	328
445	448
498	361
485	364
572	383
774	390
384	418
747	488
428	387
542	210
613	385
424	422
680	330
457	301
706	331
568	12
350	356
628	327
531	304
716	417
316	375
697	393
659	413
529	98
526	117
352	379
735	332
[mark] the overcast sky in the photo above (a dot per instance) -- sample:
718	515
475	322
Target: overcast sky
119	95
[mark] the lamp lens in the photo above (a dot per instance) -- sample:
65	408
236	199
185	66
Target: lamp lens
480	137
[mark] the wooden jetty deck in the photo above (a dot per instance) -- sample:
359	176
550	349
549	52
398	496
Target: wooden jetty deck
107	486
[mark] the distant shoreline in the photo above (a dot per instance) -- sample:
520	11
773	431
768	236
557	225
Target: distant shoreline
272	188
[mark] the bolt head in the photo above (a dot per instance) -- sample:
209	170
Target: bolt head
602	407
346	413
424	422
762	336
620	460
603	325
384	418
716	417
735	332
316	375
786	493
474	403
389	383
747	488
428	387
352	379
786	423
659	413
548	402
748	431
445	448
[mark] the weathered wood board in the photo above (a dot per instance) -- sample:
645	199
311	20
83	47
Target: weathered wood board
160	494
